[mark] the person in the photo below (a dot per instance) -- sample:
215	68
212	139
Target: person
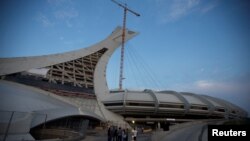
134	134
109	134
112	133
124	135
119	134
115	138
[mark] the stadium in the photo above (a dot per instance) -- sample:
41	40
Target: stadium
164	104
42	97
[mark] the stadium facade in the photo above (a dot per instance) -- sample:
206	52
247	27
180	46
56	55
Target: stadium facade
162	104
69	90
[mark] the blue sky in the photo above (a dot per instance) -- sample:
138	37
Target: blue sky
200	46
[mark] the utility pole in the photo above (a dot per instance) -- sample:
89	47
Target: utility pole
125	8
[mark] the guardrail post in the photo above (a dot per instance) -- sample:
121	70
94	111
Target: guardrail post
44	125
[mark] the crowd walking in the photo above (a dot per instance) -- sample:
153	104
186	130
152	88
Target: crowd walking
118	134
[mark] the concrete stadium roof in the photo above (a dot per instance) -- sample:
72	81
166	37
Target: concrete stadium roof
190	102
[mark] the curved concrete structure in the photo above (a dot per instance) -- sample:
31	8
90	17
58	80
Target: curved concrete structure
101	52
19	64
166	104
59	85
38	103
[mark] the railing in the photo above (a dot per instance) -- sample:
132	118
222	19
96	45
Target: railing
25	123
17	122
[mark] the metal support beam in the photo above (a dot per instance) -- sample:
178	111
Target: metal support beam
211	107
179	96
124	100
79	72
154	98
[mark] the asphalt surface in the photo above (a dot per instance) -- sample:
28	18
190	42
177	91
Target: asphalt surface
191	132
196	132
141	137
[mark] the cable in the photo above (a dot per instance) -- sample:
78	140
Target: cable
137	58
141	69
149	70
129	66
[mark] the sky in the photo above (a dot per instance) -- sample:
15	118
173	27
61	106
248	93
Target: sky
200	46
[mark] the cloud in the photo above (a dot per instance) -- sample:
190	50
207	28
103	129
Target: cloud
69	24
204	84
61	38
208	8
63	11
169	11
235	89
235	92
66	14
202	70
44	20
180	8
59	2
209	86
174	10
213	86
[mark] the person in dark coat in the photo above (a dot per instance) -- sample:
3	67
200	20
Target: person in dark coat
109	134
126	135
119	134
115	138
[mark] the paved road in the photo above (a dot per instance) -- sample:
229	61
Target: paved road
144	137
190	133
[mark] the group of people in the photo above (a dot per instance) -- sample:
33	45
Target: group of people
117	134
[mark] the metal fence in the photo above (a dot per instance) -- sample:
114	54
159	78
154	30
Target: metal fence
17	122
14	124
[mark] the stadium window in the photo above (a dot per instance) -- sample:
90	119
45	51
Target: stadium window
113	104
